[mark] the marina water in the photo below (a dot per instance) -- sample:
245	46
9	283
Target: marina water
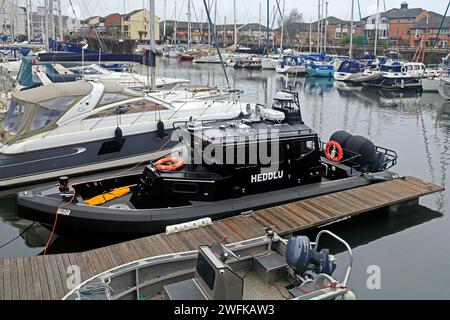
404	255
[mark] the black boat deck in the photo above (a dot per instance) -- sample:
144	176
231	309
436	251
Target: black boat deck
45	277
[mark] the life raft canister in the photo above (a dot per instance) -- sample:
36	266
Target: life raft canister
334	146
108	196
170	164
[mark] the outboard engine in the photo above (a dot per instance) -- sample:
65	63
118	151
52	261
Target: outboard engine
301	257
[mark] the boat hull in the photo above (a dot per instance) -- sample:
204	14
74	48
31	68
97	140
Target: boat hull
347	77
291	69
444	89
80	159
320	73
395	83
74	218
430	84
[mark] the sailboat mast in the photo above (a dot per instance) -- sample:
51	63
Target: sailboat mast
215	14
318	27
165	19
152	41
46	36
322	25
235	24
351	30
176	24
310	35
376	28
28	6
326	27
268	27
282	27
52	20
260	22
11	21
60	22
189	23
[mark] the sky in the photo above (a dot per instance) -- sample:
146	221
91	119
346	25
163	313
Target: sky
247	10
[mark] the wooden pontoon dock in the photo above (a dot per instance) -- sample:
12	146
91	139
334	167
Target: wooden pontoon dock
45	277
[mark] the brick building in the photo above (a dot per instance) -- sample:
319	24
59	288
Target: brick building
337	29
426	31
397	24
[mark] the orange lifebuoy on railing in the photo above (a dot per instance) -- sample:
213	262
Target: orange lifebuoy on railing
170	164
334	146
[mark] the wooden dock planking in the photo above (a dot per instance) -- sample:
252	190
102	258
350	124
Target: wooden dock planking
44	277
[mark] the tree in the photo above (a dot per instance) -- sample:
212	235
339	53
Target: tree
357	40
290	22
170	31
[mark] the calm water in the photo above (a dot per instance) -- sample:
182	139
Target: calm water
412	248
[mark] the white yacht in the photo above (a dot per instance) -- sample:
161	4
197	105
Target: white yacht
81	127
127	79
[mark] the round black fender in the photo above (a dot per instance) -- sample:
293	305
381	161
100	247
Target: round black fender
365	148
161	129
118	137
341	137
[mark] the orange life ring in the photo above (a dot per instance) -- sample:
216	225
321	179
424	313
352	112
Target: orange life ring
170	164
336	146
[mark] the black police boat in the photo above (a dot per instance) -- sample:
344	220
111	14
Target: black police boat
229	167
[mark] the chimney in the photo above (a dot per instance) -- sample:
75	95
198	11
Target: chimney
404	5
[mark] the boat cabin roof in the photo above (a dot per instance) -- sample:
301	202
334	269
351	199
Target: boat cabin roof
248	130
72	89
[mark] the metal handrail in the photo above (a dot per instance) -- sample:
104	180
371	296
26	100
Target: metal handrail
349	249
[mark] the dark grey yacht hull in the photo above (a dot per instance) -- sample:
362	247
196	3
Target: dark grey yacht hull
81	159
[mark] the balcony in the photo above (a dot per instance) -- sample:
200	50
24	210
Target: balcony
381	26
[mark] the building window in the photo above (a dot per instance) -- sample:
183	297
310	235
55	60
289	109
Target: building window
443	44
417	33
408	32
429	31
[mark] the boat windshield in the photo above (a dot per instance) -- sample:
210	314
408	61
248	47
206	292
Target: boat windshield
24	119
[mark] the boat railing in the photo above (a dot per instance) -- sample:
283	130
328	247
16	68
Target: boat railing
387	158
347	246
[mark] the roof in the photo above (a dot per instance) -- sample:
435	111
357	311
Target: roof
434	22
55	90
134	12
221	27
300	26
397	13
252	27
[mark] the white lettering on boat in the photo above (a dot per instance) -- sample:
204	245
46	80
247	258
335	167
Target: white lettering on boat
264	177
